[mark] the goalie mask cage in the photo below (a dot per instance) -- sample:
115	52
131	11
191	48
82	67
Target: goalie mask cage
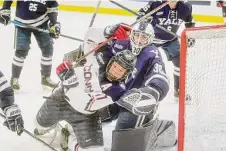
202	121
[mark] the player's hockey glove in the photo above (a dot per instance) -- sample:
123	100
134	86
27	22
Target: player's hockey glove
119	31
54	30
14	120
5	16
67	75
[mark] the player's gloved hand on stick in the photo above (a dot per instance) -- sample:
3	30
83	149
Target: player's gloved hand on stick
54	30
14	120
119	31
5	16
67	75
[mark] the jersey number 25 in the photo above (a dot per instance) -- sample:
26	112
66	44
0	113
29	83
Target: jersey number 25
33	7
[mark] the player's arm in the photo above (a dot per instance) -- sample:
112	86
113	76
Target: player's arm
11	110
52	11
5	13
189	21
143	100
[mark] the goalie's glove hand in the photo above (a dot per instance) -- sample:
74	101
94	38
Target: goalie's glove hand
14	120
119	31
5	16
54	30
67	75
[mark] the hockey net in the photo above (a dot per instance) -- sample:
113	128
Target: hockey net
202	121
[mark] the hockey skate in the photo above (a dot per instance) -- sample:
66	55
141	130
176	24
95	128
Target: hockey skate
14	82
46	81
176	97
64	138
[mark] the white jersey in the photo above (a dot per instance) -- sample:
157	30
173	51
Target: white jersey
87	96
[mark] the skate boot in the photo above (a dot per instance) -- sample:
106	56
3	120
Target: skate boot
64	138
46	81
14	82
176	97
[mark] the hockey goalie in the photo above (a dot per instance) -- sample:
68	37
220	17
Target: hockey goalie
127	72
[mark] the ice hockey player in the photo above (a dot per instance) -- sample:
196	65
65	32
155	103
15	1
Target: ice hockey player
222	4
171	18
14	120
33	13
129	72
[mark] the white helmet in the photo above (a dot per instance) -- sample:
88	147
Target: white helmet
142	34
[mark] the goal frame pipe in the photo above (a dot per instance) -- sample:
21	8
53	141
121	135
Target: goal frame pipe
182	98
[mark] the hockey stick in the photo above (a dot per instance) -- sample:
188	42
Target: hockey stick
74	64
134	13
150	13
43	30
33	136
95	13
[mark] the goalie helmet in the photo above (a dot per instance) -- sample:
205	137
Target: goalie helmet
141	35
120	66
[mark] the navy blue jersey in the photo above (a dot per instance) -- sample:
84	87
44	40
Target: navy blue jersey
170	19
34	12
6	92
150	70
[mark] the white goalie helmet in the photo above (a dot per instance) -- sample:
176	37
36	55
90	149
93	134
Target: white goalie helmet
142	34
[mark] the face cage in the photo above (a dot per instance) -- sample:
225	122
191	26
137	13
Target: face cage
137	44
122	63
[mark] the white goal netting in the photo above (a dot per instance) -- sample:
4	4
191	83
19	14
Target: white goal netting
204	117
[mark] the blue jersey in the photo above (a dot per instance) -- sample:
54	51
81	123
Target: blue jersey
34	12
170	19
6	92
150	70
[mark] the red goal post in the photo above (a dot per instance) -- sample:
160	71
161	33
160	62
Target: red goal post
202	121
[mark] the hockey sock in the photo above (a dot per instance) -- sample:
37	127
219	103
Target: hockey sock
17	66
46	66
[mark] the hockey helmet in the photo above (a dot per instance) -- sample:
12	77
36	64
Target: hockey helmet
120	66
142	34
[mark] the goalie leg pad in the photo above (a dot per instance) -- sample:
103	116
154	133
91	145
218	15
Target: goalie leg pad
166	134
132	139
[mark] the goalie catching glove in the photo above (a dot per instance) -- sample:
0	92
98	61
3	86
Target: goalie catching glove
140	101
14	120
54	30
5	16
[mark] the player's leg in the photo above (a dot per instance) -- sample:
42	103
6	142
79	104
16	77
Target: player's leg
87	129
150	133
224	12
45	43
48	117
172	50
22	40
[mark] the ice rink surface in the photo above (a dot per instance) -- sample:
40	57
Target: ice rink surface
30	97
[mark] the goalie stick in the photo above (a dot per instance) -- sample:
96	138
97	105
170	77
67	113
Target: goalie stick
33	136
131	11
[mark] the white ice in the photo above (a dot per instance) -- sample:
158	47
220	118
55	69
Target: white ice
30	97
